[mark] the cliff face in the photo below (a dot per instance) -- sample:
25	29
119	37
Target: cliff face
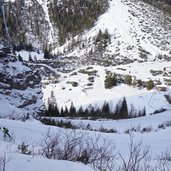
45	23
27	23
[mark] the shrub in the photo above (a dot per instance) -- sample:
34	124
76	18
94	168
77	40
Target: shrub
89	73
23	148
139	83
110	81
159	111
128	80
147	129
150	85
74	84
73	146
161	126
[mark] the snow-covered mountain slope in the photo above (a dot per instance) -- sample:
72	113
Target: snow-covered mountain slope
129	38
130	30
137	32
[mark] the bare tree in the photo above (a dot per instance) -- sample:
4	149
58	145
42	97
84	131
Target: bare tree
76	146
138	157
5	158
72	145
100	152
164	162
50	145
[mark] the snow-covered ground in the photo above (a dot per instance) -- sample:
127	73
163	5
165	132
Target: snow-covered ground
28	163
96	94
31	132
156	137
34	55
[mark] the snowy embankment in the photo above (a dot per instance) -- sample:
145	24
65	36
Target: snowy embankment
151	122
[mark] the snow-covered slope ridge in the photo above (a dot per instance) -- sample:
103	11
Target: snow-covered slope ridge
137	30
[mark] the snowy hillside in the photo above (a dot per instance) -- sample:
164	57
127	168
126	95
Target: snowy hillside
137	32
91	89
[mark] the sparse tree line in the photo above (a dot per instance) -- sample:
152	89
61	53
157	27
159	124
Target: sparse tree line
69	125
120	111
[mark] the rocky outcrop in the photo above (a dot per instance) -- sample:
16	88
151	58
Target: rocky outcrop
20	85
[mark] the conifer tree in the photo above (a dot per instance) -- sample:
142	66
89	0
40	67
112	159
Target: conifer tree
105	109
80	111
20	58
46	53
30	58
65	111
123	111
72	111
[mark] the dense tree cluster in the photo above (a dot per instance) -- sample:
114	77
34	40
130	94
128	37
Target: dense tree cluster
74	16
12	12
